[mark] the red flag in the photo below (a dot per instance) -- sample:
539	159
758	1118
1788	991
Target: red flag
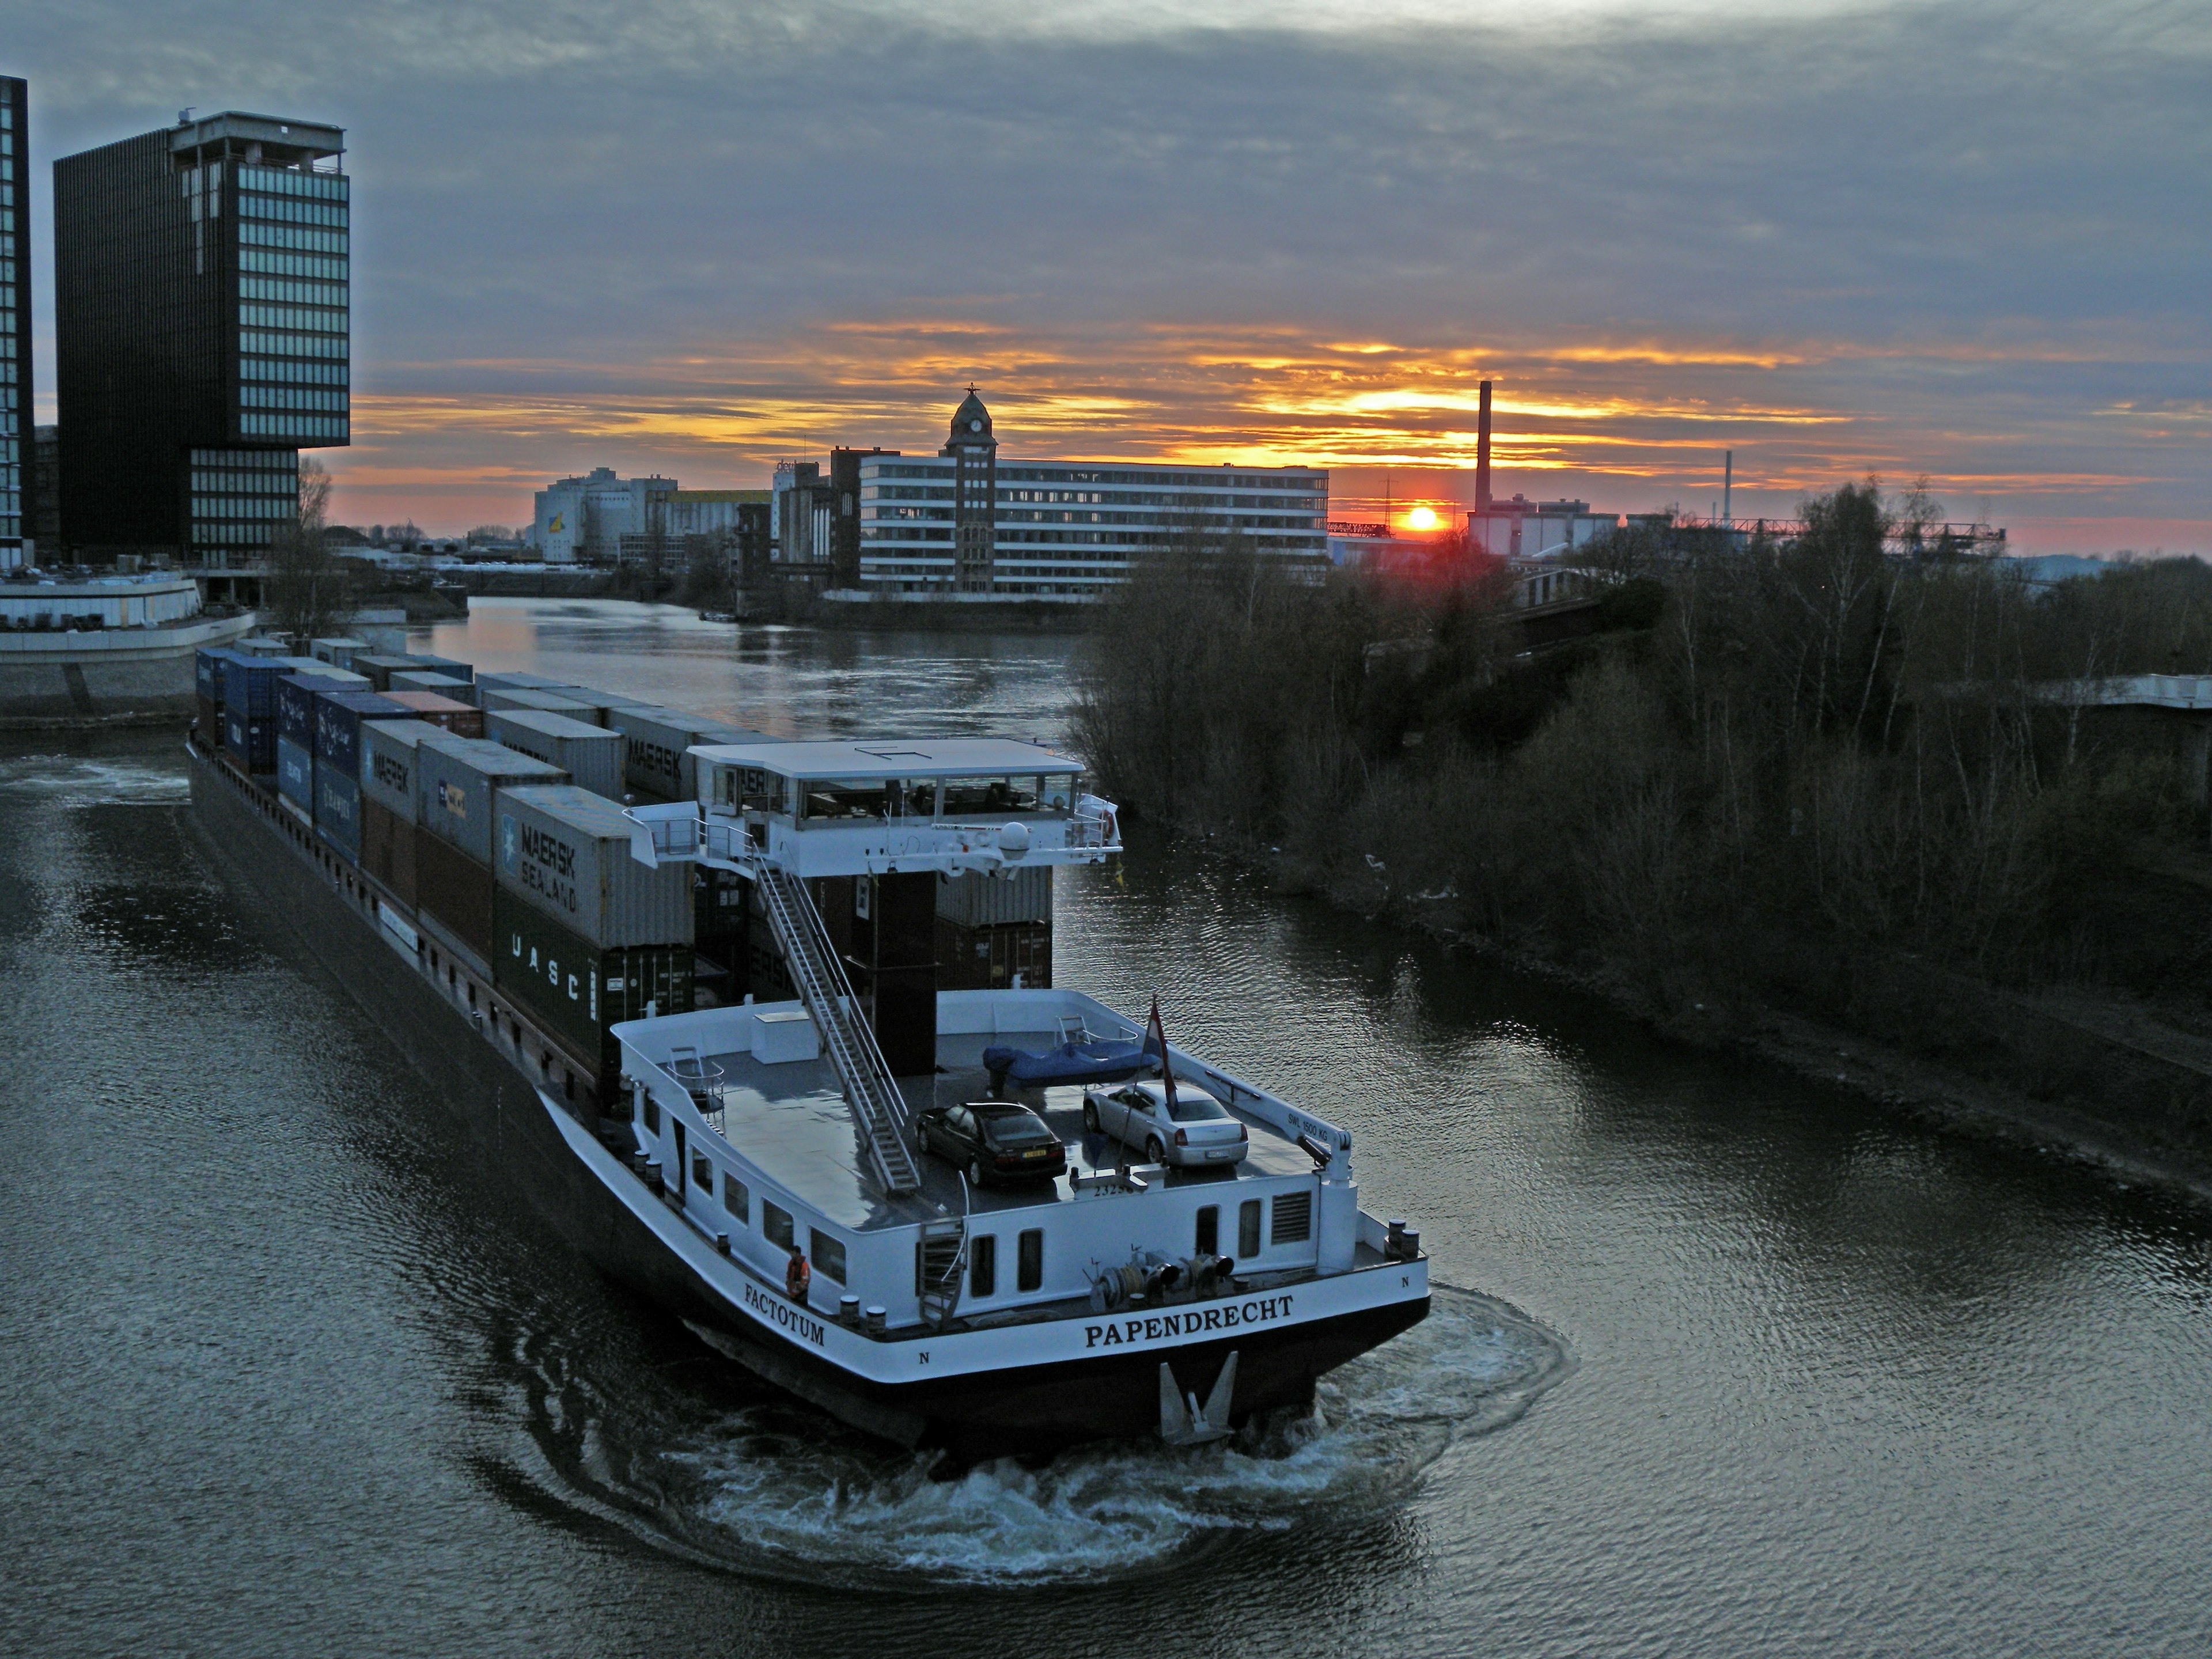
1156	1044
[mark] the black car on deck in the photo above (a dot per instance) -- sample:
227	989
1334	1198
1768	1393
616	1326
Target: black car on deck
992	1140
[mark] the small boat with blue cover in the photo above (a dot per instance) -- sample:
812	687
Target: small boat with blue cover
1079	1059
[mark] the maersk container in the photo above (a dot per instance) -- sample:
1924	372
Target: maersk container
461	719
579	991
494	699
338	810
338	715
566	852
337	650
295	707
423	679
379	667
976	900
455	779
455	890
654	760
388	850
420	661
591	755
389	767
295	774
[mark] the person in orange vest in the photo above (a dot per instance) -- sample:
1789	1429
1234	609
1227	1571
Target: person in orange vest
797	1275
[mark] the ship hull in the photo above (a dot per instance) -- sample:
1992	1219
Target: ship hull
549	1158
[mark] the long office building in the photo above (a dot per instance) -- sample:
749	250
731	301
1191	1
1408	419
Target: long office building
17	509
970	521
202	339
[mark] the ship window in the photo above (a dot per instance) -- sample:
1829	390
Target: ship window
1209	1230
1029	1261
983	1266
1293	1218
735	1199
702	1173
827	1255
652	1115
1247	1227
776	1224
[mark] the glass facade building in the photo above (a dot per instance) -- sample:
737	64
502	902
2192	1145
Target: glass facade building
202	309
972	521
15	437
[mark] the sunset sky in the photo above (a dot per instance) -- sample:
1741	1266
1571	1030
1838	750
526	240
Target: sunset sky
1969	240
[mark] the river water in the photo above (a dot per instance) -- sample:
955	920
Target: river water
1726	1364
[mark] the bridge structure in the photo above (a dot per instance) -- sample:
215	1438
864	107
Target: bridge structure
2179	701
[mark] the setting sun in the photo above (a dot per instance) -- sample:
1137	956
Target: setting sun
1423	518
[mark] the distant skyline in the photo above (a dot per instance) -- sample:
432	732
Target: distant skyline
1969	240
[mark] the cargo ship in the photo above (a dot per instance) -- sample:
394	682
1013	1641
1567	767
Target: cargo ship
696	988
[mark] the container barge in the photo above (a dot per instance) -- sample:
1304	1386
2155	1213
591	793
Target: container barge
697	990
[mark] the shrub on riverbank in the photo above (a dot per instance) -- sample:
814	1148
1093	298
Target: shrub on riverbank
1765	770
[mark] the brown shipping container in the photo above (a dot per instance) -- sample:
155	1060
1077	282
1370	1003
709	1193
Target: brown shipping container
453	715
456	889
579	993
387	849
987	958
208	723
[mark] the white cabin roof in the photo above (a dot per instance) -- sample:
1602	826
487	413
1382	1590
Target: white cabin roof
893	757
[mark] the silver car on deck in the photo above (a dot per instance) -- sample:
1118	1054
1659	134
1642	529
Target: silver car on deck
1198	1135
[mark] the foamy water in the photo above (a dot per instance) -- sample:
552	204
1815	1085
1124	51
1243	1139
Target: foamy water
77	781
771	1489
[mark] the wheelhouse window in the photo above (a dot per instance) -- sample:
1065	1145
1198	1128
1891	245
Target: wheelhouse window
983	1266
844	799
966	796
702	1173
827	1253
1029	1261
776	1223
735	1199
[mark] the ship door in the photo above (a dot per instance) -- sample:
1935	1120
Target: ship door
683	1166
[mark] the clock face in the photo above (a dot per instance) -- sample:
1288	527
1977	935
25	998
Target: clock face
974	426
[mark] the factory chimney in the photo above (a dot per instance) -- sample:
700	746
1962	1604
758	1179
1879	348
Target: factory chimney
1728	490
1482	454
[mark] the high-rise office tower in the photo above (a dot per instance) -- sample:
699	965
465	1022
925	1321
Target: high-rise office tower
14	323
201	338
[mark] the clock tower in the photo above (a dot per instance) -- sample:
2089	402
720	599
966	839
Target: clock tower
975	453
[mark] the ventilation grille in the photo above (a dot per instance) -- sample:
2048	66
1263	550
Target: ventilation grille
1293	1218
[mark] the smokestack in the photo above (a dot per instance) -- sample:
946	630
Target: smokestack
1727	488
1482	455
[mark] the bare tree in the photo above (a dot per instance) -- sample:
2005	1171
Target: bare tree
310	590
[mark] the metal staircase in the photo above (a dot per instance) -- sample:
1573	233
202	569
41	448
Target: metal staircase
940	1259
870	1088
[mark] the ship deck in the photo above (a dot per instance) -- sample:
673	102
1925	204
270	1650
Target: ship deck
792	1121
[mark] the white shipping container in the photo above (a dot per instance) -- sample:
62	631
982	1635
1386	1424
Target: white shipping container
566	852
590	755
976	900
454	780
388	765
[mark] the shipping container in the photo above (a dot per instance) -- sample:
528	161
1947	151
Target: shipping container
337	809
654	762
378	667
338	650
518	681
338	715
262	645
207	671
422	660
295	774
387	848
499	698
296	706
990	958
388	765
566	852
424	679
459	718
250	683
976	900
455	778
601	706
590	755
579	992
207	722
454	889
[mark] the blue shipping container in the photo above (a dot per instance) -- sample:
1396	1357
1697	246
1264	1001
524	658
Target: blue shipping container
338	715
338	810
251	738
207	671
251	683
295	707
295	774
460	670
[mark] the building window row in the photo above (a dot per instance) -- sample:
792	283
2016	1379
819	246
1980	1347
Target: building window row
326	322
254	460
283	181
318	241
292	426
292	265
289	397
241	507
277	486
298	292
293	345
232	535
330	215
309	372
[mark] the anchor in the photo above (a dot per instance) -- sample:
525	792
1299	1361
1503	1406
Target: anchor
1183	1421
